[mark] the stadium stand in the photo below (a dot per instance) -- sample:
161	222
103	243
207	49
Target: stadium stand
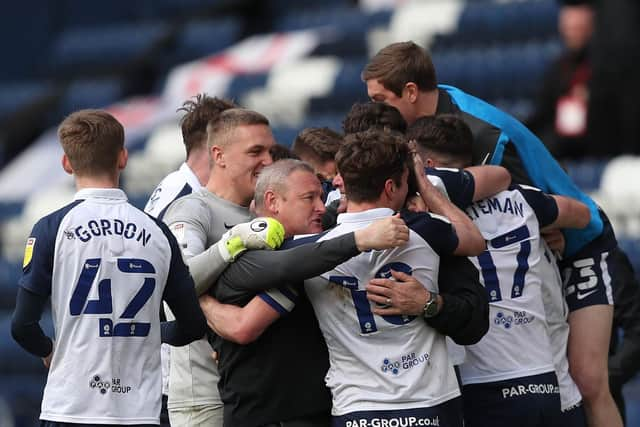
142	58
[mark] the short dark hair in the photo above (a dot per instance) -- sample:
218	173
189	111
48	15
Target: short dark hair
317	144
367	159
400	63
198	113
364	116
281	152
92	141
219	128
445	134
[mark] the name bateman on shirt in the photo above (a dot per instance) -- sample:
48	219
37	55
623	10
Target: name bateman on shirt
108	227
492	204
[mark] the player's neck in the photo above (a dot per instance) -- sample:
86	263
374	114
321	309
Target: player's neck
83	182
198	162
227	190
428	103
353	207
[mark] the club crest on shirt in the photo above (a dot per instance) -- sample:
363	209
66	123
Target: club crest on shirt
28	252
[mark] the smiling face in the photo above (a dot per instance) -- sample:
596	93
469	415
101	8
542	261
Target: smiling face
300	208
378	93
245	156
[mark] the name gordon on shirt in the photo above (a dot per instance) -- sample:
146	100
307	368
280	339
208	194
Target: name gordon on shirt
108	227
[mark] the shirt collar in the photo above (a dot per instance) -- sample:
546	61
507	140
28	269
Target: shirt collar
100	193
189	176
368	215
445	103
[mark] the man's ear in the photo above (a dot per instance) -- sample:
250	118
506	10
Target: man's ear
123	158
389	188
411	92
271	202
66	164
429	163
217	155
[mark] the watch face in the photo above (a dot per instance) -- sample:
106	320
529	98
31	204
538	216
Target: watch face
431	307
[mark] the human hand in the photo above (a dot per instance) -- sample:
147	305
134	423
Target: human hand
260	233
382	234
555	240
403	296
208	305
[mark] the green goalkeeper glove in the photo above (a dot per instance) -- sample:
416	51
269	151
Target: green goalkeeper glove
260	233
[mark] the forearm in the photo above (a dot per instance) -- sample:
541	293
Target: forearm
489	180
173	334
224	319
25	326
471	242
261	270
206	267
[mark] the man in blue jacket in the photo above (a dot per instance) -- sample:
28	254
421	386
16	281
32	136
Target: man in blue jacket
403	75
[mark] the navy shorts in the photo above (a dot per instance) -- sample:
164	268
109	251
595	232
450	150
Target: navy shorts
587	275
447	414
574	416
524	402
44	423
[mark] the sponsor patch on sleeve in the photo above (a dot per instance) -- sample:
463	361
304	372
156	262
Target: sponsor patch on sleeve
28	252
177	228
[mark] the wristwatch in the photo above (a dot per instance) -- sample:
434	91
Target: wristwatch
430	308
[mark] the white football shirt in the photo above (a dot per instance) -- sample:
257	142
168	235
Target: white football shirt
105	264
517	343
391	362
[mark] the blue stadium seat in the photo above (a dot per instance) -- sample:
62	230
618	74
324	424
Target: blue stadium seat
172	9
10	273
586	173
484	23
106	48
284	135
18	96
84	14
346	19
347	89
511	71
243	83
201	38
9	209
342	44
23	394
285	6
89	93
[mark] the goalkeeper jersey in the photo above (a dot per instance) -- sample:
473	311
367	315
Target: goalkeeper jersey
198	220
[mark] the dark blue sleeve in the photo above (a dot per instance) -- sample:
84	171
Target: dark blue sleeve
25	326
180	295
459	183
543	205
435	230
37	266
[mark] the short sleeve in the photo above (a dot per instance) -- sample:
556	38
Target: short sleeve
281	300
37	265
459	184
436	230
543	205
